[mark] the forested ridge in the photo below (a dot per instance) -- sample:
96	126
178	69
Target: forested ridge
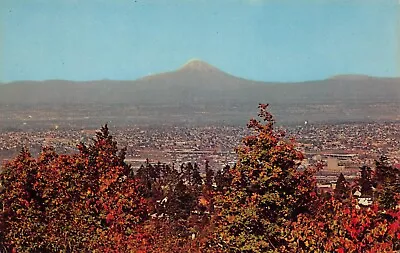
92	201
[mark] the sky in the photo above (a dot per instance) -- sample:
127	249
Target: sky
264	40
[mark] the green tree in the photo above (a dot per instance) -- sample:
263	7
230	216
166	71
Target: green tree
266	191
387	183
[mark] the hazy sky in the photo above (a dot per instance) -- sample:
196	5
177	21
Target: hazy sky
263	40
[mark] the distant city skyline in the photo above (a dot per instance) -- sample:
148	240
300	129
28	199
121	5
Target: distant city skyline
266	40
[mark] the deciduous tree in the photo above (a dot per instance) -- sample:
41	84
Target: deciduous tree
266	191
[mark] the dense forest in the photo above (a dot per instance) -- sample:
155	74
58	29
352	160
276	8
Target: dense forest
92	201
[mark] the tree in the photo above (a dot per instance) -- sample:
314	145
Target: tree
209	176
72	203
22	208
223	179
266	191
365	181
197	180
387	183
342	189
341	227
91	201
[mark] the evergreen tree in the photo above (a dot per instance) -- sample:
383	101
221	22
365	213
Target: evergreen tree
223	179
342	189
188	175
197	180
209	176
181	202
387	183
365	181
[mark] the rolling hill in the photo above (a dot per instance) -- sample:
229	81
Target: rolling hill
200	85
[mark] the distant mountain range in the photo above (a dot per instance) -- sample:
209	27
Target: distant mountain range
200	85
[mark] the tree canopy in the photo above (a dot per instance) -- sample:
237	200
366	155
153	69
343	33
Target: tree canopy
92	201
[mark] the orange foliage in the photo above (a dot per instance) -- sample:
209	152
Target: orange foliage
92	202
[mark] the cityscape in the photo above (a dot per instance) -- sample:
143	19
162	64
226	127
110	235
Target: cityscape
341	148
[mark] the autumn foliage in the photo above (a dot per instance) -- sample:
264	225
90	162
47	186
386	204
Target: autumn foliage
92	201
71	203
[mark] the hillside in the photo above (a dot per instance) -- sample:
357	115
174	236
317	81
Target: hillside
200	85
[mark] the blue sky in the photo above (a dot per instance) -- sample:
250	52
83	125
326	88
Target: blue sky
256	39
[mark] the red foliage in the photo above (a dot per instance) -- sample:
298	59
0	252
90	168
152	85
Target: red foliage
91	202
85	201
346	228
